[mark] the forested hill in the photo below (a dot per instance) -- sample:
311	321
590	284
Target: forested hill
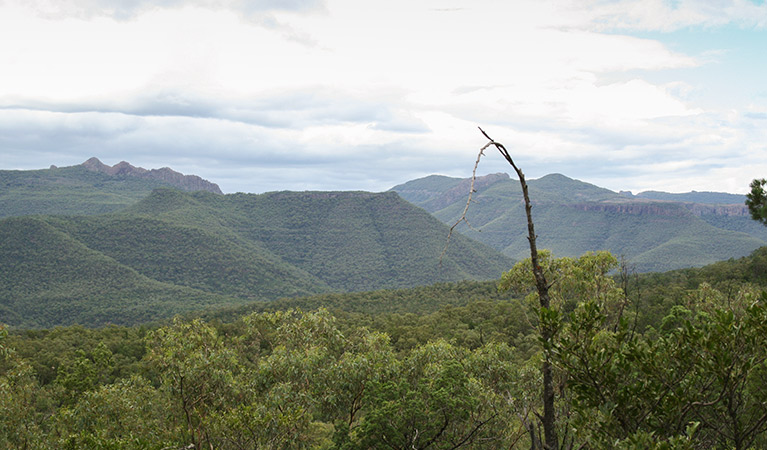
572	217
177	251
88	188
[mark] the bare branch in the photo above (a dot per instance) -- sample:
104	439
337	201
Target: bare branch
548	419
468	202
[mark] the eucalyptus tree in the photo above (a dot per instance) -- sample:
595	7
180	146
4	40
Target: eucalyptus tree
756	200
697	381
19	420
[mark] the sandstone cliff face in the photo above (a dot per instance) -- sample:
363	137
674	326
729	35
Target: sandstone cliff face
173	178
664	208
718	210
635	208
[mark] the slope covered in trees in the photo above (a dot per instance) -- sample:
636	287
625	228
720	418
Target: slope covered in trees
573	217
175	251
462	375
50	278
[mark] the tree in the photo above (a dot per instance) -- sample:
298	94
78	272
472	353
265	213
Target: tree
303	383
573	282
697	381
433	403
548	420
85	372
129	414
199	372
756	200
19	423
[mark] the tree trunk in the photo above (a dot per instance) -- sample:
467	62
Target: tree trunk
549	419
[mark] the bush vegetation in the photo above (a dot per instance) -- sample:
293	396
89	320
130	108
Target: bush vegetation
445	366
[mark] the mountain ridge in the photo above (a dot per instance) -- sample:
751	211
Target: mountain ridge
573	217
165	174
89	188
176	251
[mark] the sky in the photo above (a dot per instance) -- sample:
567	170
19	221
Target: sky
267	95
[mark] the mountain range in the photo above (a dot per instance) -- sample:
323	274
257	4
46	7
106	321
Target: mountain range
94	244
88	188
175	251
654	231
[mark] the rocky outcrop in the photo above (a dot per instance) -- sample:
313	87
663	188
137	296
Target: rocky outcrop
662	208
165	174
635	208
718	210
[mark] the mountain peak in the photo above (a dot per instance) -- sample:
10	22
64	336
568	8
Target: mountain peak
95	165
124	168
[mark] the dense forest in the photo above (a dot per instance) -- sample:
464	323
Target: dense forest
201	359
174	252
666	361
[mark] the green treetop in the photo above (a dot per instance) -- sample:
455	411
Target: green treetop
756	200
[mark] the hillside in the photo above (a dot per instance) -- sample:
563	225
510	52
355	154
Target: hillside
573	217
48	278
175	251
86	189
350	240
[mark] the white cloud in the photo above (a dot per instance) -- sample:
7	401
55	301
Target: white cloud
377	91
129	9
665	15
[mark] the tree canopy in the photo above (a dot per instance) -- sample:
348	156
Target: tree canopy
756	200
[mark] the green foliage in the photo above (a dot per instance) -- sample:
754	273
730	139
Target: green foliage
648	441
175	252
417	300
20	422
460	370
129	414
434	403
51	278
706	366
570	283
291	379
655	294
756	200
50	351
572	280
198	371
85	372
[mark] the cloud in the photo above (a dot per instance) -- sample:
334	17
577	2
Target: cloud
665	15
352	95
129	9
237	156
292	109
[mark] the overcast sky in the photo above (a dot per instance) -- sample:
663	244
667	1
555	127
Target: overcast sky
270	95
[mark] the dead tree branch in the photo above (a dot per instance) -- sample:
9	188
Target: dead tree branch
548	418
468	202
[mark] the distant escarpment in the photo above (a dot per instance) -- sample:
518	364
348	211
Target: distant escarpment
634	208
165	174
718	210
663	208
655	231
